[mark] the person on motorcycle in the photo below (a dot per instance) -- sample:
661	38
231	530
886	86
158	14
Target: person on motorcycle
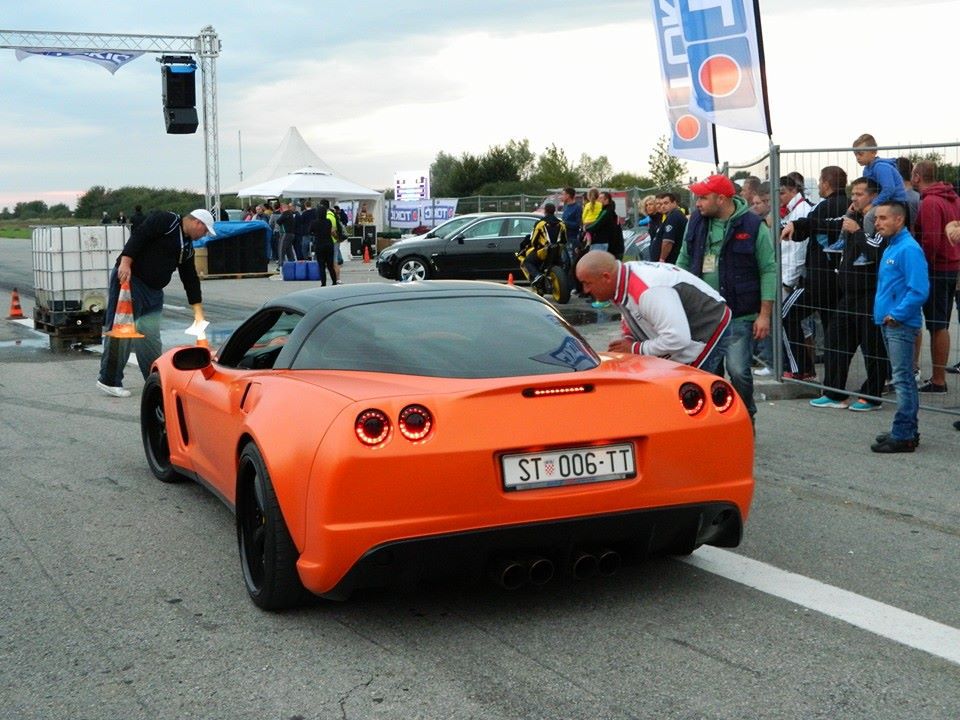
533	253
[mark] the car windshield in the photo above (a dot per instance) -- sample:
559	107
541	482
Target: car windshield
458	337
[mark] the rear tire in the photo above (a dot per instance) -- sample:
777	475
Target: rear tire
267	553
153	430
559	284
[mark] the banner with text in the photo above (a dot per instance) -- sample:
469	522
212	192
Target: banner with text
111	61
724	49
691	136
416	213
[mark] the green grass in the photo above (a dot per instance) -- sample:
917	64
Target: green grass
22	229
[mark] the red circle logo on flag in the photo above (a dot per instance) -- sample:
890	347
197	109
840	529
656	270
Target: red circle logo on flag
720	75
687	127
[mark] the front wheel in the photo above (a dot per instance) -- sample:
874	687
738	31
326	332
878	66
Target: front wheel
558	283
153	430
267	553
412	268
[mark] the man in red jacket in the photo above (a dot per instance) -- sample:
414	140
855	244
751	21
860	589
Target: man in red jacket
939	205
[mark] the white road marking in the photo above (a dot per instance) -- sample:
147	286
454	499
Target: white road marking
173	307
875	617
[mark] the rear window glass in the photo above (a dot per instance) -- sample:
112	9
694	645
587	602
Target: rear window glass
466	337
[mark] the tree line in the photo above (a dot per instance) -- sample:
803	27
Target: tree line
513	168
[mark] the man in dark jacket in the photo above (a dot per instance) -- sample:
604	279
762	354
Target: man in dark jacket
667	238
161	244
137	218
304	221
852	326
939	206
817	291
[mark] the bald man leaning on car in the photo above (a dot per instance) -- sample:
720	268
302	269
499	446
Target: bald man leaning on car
666	312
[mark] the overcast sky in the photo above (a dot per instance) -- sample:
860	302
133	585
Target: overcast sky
376	87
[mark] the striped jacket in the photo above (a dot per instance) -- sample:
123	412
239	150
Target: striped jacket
669	312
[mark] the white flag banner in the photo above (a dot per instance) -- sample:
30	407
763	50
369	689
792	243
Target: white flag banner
724	50
112	61
691	135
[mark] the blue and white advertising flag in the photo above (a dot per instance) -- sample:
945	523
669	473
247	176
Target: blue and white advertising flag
112	61
724	51
691	136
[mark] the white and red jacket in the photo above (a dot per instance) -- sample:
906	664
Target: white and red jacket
669	312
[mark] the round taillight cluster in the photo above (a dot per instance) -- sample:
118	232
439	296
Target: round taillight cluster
416	422
692	398
722	395
372	427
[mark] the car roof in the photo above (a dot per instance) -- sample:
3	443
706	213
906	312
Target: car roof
304	301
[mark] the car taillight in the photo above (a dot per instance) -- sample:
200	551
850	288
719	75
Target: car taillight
415	422
692	398
722	395
372	427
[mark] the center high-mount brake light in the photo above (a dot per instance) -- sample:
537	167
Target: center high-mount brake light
372	427
722	395
692	398
557	390
415	422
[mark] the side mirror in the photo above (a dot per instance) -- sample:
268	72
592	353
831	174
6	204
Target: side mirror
192	358
459	239
526	238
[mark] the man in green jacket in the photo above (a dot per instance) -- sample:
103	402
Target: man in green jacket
730	248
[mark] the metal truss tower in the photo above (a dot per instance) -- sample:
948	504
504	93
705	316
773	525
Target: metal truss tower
206	46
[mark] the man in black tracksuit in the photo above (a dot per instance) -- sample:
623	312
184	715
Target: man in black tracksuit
854	325
819	291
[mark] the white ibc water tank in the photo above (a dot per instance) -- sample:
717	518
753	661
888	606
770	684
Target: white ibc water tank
71	265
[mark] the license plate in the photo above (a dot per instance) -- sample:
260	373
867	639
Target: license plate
569	466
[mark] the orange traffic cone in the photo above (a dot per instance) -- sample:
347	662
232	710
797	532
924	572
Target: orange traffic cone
16	312
510	279
202	340
123	323
366	253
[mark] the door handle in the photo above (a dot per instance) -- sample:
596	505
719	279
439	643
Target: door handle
491	245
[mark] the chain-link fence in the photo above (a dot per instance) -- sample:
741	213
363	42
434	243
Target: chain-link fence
827	338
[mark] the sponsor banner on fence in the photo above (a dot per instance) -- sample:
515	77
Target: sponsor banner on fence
691	136
411	214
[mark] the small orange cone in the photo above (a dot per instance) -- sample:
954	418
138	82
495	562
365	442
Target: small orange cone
510	279
123	323
16	312
202	340
366	253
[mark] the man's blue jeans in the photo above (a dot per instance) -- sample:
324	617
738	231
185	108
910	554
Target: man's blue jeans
712	361
147	306
900	343
739	361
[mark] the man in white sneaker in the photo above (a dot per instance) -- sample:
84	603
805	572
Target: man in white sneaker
161	244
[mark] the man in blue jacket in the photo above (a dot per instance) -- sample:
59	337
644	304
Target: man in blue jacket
902	289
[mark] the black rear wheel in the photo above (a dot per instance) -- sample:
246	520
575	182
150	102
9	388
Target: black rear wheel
559	284
267	553
153	430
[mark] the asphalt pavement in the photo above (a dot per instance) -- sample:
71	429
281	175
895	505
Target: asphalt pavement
123	596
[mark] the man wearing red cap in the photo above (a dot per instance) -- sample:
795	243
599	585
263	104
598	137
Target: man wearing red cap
729	247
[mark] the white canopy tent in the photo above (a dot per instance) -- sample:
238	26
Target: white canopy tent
296	171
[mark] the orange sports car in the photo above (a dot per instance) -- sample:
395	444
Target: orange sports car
368	434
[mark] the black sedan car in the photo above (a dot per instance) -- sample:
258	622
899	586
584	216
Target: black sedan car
483	247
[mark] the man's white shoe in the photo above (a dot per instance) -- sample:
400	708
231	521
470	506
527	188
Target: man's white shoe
763	372
112	390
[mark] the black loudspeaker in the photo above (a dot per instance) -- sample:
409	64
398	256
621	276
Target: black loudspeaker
179	87
180	121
